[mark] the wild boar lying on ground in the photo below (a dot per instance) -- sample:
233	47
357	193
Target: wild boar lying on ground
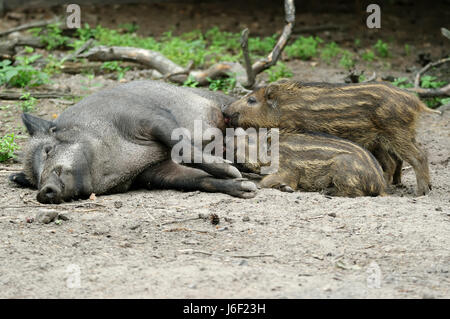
377	116
317	162
121	137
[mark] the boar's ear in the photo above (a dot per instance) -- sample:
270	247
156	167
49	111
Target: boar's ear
270	94
35	124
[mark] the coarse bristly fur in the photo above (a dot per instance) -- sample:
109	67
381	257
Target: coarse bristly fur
378	116
321	162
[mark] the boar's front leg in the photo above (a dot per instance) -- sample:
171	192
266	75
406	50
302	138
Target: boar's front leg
170	175
160	127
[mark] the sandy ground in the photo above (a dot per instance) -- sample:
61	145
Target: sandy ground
151	244
275	245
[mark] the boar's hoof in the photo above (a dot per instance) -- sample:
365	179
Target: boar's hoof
242	188
423	190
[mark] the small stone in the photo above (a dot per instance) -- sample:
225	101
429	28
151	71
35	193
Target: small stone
46	216
243	262
58	222
438	209
246	219
63	217
29	220
214	218
222	228
118	204
332	214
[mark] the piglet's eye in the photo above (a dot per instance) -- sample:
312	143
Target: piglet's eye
251	100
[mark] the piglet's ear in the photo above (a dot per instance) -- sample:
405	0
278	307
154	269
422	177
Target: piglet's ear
36	125
270	94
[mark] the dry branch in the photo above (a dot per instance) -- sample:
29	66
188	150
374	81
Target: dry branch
445	32
10	95
80	50
152	59
272	58
424	93
426	68
26	26
7	48
248	64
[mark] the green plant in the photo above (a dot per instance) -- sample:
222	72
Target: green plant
368	56
357	42
402	82
23	74
407	49
28	102
190	82
430	82
7	147
114	66
223	84
304	47
278	71
330	51
382	49
129	27
52	36
347	60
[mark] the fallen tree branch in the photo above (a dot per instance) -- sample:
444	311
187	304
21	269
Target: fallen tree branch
152	59
425	93
11	95
26	26
7	48
426	68
80	50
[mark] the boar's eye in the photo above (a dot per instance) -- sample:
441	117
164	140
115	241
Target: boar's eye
48	149
251	100
58	170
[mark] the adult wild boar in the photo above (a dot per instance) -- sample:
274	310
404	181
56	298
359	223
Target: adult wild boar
120	137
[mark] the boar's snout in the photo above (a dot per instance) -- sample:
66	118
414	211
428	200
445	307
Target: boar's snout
50	194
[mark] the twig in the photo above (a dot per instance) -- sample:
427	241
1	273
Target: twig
180	221
248	64
80	50
272	58
192	251
445	32
36	24
428	66
372	78
11	95
442	92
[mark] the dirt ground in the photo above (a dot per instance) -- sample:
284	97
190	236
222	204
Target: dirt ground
153	244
